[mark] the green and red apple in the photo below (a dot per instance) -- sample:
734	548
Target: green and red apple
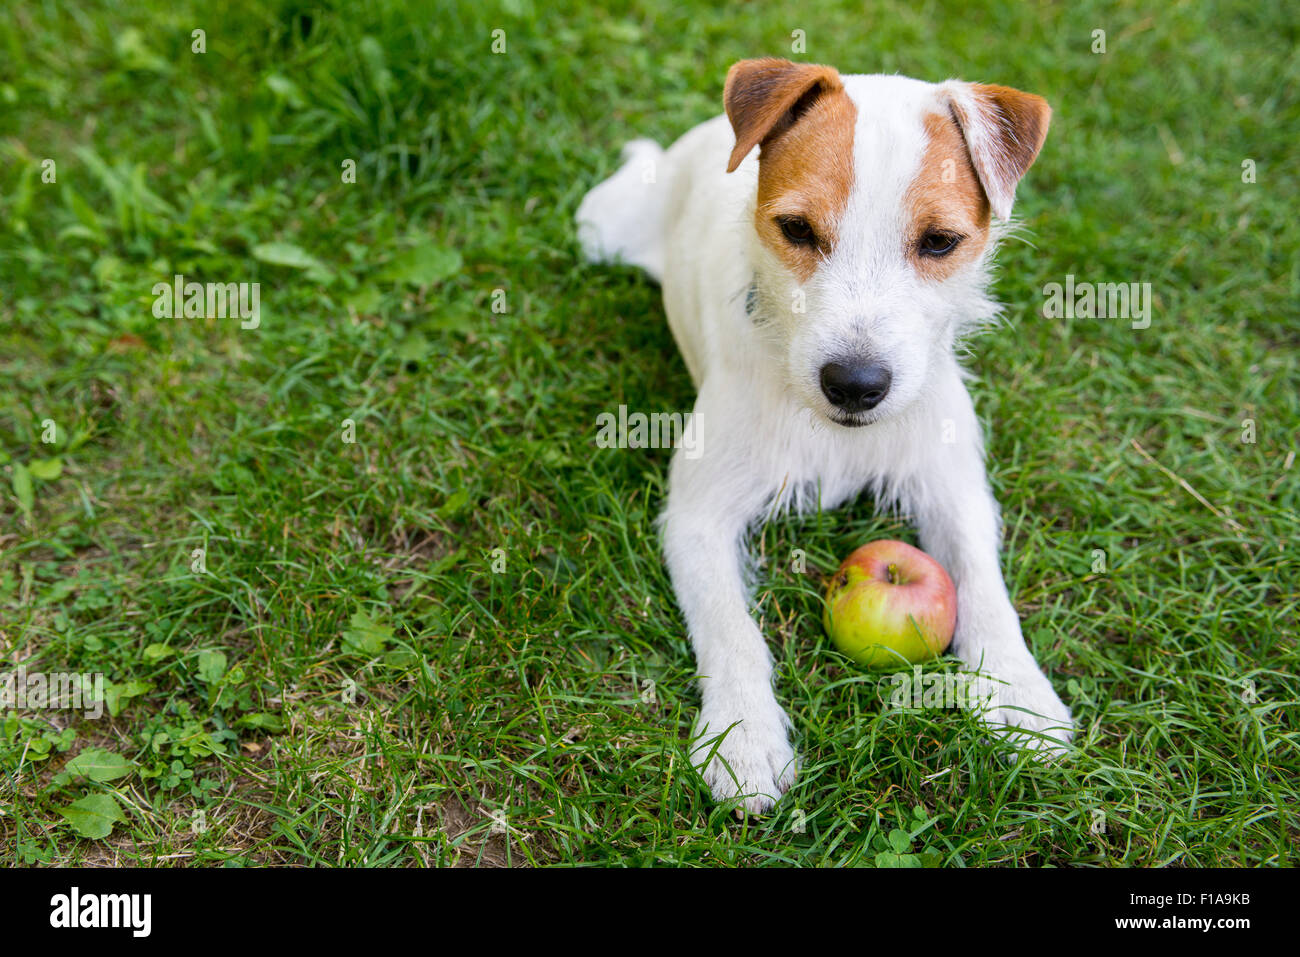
890	604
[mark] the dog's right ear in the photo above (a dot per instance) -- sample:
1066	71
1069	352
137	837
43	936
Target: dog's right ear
764	98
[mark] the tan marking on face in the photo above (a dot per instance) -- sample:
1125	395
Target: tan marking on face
946	196
807	172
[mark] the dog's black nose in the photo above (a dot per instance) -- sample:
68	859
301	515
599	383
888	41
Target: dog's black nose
855	386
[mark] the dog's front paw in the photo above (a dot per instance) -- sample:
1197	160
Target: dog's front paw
745	753
1021	706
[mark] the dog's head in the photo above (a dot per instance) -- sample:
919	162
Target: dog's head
879	200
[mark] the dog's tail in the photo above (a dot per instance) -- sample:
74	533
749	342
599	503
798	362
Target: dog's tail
622	218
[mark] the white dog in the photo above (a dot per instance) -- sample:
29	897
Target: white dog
817	288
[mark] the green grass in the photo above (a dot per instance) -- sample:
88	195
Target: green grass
351	682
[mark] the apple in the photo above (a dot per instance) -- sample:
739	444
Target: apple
890	604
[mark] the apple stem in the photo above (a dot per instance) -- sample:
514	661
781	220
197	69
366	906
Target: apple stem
893	573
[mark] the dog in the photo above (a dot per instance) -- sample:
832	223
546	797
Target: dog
823	247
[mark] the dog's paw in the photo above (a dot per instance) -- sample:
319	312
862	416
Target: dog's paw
1020	706
752	760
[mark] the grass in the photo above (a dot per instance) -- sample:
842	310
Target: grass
451	641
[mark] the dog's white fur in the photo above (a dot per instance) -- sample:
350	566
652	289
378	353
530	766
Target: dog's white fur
768	443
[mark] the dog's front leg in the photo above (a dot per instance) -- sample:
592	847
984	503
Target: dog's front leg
957	520
741	741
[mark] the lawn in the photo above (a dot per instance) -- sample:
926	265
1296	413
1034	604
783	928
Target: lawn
361	587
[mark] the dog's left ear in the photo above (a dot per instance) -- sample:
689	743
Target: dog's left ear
765	97
1004	130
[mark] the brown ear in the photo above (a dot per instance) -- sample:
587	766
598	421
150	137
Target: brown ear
1004	130
764	98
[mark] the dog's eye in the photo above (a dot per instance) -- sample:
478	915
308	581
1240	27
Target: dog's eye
936	243
797	230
